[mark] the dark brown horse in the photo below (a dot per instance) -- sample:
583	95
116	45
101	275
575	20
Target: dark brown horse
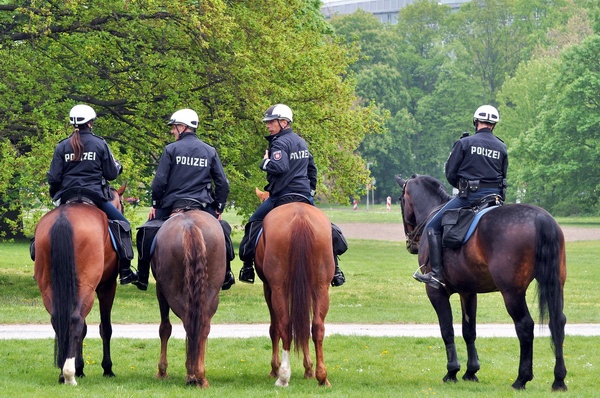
74	258
294	259
189	268
512	245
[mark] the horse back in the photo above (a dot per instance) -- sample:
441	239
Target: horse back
93	254
194	230
280	229
501	253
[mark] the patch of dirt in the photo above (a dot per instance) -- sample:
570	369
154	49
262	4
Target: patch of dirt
395	232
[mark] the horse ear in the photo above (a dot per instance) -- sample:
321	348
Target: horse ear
122	189
400	180
261	195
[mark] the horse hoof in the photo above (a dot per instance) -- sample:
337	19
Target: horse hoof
325	383
469	376
309	374
281	383
559	386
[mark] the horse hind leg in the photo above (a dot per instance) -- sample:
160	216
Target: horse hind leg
517	308
318	333
285	370
164	331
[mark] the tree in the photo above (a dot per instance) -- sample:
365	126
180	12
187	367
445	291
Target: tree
549	122
137	62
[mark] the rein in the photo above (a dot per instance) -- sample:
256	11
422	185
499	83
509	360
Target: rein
413	238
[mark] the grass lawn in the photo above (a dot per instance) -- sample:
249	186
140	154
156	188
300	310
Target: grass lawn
357	366
379	290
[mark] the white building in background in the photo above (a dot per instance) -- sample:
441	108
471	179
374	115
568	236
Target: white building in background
385	10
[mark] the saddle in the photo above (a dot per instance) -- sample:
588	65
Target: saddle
291	198
459	224
80	195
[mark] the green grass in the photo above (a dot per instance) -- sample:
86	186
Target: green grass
379	289
357	366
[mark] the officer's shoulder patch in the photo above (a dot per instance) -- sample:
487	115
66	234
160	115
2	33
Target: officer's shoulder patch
277	155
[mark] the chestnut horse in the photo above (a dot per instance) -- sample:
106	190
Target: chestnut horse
189	267
294	259
512	245
74	258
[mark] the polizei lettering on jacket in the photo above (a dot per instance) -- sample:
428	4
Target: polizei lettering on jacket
84	156
300	155
191	161
490	153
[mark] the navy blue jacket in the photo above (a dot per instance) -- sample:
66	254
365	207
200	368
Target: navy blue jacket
481	156
187	169
290	167
97	162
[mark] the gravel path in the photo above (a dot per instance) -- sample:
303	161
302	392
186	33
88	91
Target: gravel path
395	232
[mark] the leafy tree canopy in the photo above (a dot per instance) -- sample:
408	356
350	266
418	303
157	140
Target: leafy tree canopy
136	62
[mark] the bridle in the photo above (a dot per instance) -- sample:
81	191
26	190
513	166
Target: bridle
412	230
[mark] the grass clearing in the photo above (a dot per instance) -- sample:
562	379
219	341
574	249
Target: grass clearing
357	366
379	289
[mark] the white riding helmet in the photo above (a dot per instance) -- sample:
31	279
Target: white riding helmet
81	114
279	111
185	116
486	114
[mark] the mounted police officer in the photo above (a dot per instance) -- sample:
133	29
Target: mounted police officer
80	167
290	169
189	176
477	167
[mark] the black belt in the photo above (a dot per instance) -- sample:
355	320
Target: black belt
489	185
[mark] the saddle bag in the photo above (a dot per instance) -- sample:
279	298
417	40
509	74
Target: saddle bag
340	245
455	224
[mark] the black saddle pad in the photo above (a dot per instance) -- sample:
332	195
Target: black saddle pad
291	198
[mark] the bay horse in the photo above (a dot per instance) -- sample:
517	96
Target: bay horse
294	259
512	245
74	258
189	267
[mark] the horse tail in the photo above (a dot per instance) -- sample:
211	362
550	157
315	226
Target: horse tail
548	259
195	285
63	277
301	265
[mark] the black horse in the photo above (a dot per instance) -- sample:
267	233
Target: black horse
512	245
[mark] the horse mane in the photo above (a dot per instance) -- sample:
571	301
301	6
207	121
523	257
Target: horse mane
433	187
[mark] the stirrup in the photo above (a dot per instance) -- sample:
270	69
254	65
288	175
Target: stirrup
127	276
141	283
229	280
338	278
247	274
429	279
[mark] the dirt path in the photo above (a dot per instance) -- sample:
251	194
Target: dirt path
395	232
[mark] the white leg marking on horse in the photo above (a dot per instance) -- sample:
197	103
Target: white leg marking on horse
69	372
285	370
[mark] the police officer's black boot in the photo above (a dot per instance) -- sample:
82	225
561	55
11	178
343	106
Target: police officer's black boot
338	277
126	275
247	272
122	233
143	275
230	255
144	238
433	278
229	278
247	249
